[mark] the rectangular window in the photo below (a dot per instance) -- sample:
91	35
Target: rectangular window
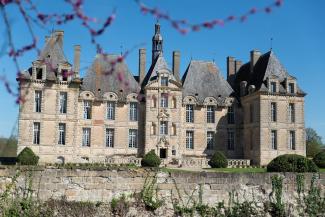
291	88
273	87
133	111
36	133
251	112
189	113
63	102
231	139
292	140
231	115
274	140
61	134
273	112
87	109
109	137
210	140
164	100
292	113
163	127
189	139
133	138
86	135
39	73
38	101
210	114
110	110
164	81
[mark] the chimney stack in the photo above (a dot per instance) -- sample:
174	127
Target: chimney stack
76	61
142	64
176	62
230	67
59	37
255	55
238	64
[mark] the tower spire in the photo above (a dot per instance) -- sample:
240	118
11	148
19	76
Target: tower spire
157	42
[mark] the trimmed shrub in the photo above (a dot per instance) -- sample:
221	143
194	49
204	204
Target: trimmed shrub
27	157
319	159
150	160
292	163
218	160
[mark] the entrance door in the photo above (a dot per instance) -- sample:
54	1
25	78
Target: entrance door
163	153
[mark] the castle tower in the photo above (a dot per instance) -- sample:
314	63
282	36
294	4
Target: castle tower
157	43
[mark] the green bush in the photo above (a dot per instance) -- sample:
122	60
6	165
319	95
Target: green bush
27	157
150	160
291	163
319	159
218	160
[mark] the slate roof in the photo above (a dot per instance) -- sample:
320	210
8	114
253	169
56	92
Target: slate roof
267	66
158	64
52	54
203	79
107	77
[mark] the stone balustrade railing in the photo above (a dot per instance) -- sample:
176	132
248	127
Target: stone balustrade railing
239	163
123	160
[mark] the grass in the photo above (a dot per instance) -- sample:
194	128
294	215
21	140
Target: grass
218	170
322	170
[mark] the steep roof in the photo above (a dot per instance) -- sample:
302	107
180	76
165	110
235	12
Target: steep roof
158	64
267	66
105	76
203	79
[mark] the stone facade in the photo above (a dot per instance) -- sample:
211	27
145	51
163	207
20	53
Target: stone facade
109	113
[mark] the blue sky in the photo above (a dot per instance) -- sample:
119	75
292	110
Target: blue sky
297	29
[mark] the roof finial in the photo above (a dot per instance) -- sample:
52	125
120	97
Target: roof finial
271	43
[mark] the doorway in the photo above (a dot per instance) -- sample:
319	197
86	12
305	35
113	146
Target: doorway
163	153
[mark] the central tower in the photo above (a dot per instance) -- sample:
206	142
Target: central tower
157	43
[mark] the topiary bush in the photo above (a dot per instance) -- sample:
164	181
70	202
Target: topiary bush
218	160
292	163
27	157
150	160
319	159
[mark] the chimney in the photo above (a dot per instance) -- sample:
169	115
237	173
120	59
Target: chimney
142	64
238	64
176	62
230	67
255	55
59	37
76	61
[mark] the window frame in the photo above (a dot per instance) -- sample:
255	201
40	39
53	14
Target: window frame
164	100
164	81
231	139
231	114
133	138
189	113
109	137
86	137
210	140
110	110
189	139
36	133
273	87
274	139
62	134
133	111
87	109
274	112
210	114
292	113
163	127
38	101
63	102
292	140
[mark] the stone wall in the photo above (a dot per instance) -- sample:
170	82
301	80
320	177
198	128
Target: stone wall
86	185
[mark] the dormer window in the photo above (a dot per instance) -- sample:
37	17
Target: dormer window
64	73
164	81
291	88
273	87
39	73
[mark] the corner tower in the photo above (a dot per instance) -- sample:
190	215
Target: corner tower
157	43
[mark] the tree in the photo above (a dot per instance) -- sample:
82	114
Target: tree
313	142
